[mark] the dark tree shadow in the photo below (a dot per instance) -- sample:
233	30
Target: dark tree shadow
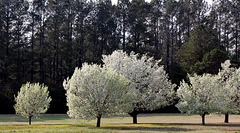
224	125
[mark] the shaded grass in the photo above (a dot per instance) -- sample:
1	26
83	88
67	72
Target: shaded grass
41	118
142	118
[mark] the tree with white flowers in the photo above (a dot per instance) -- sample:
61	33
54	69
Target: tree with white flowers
211	93
150	79
93	92
228	94
32	100
234	83
199	96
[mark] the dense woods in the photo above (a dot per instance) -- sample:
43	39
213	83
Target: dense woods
44	40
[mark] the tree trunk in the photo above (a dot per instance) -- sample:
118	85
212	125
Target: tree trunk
167	45
203	118
172	47
30	120
134	119
226	118
236	43
124	32
32	50
134	116
98	120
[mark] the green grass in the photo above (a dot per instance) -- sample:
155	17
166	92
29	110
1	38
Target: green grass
61	123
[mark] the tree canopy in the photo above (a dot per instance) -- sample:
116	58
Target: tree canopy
209	93
93	92
150	79
199	45
32	100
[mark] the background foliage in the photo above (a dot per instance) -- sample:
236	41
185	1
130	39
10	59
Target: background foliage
44	40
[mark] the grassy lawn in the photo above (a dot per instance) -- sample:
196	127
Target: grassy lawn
61	123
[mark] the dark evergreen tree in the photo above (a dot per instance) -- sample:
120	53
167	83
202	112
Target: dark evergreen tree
201	41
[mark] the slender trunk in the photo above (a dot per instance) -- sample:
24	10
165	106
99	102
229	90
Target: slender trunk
156	37
43	63
167	45
124	33
32	50
227	44
203	118
236	43
226	118
8	35
18	53
188	24
61	69
172	47
7	60
219	29
124	40
81	50
98	121
30	120
40	56
54	66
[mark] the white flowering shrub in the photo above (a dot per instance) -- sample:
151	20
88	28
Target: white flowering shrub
32	100
198	97
93	92
150	79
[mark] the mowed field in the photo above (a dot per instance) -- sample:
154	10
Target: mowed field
61	123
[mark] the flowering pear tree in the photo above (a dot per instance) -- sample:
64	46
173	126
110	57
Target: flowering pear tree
198	97
93	92
150	79
228	94
32	100
234	83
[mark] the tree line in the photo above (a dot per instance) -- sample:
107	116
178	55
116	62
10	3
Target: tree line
44	40
132	84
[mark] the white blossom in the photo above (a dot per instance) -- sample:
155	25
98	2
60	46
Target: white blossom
211	93
32	100
93	91
198	97
228	94
150	79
